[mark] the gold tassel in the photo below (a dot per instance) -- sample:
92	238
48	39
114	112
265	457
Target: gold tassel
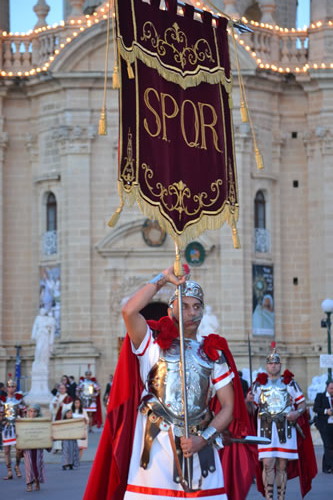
115	78
231	102
259	160
102	128
235	237
115	217
130	71
244	112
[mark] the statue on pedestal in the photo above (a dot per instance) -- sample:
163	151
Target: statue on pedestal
43	334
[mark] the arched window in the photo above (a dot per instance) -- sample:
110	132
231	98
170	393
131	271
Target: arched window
51	213
262	235
260	211
49	243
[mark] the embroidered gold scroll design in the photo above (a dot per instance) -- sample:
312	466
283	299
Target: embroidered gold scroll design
175	39
231	183
127	173
180	192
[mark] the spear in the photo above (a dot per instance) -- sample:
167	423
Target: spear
182	365
250	356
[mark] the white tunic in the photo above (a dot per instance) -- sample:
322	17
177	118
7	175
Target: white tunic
157	480
276	449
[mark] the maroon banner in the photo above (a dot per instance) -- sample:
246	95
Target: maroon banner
176	133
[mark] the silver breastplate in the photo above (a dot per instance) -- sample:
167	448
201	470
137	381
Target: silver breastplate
164	383
88	388
274	398
11	409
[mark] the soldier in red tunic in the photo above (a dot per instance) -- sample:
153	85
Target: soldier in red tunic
11	407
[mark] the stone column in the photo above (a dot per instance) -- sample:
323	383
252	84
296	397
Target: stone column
319	150
75	231
232	262
4	15
321	10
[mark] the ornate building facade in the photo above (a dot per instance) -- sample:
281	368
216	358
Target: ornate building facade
58	189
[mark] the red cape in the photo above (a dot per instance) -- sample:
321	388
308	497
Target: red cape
305	467
108	477
97	415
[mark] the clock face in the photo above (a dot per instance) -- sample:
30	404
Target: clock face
153	234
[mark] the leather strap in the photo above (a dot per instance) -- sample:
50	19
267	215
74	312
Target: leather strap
150	434
176	461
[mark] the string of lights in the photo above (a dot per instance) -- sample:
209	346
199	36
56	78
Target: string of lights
78	25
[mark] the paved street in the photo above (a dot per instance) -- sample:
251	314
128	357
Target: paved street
70	485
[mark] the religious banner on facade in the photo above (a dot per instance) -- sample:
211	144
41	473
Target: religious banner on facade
176	155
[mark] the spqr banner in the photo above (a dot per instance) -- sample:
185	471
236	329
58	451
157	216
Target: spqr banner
176	136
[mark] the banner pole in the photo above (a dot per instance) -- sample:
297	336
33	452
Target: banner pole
250	356
182	365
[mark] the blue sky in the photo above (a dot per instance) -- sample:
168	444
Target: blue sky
23	18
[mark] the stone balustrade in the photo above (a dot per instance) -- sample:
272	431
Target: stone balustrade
283	49
28	53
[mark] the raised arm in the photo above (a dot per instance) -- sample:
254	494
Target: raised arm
134	321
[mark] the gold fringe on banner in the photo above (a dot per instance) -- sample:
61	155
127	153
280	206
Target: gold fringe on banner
207	222
216	75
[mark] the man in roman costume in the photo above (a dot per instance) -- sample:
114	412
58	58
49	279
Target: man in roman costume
150	435
59	404
12	407
88	390
283	419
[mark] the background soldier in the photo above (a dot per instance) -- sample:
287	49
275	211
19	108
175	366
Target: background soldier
280	404
11	407
88	390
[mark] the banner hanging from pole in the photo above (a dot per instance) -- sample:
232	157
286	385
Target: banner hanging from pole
176	148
